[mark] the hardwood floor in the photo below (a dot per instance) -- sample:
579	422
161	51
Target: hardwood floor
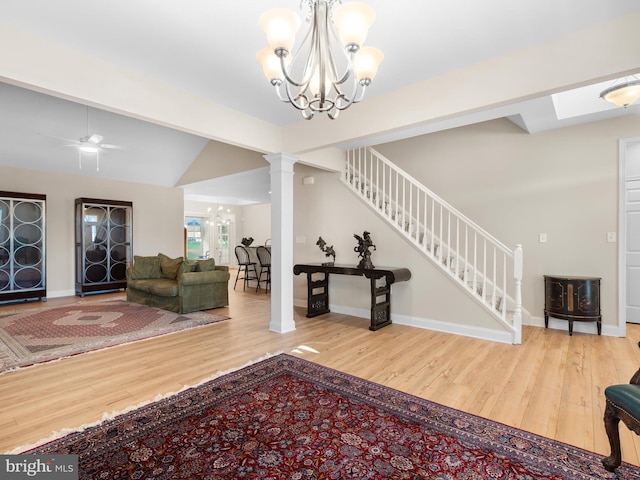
552	384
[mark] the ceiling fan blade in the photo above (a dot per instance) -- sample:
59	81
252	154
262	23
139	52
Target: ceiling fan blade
114	147
59	138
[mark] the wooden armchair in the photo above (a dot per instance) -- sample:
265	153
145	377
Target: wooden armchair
623	403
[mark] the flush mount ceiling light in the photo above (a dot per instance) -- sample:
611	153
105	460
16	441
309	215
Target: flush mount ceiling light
623	92
330	68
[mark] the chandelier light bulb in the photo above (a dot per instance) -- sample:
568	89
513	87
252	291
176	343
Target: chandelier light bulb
270	65
353	20
280	25
366	62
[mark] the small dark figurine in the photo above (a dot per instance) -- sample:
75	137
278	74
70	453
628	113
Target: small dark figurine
328	251
364	244
246	241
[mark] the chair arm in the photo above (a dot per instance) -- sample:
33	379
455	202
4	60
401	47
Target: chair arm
222	268
199	278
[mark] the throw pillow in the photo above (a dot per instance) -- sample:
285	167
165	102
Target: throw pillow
189	266
145	267
169	266
207	265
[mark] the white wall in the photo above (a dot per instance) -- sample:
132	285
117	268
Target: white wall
157	217
255	221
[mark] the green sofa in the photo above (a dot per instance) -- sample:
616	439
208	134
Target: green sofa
177	285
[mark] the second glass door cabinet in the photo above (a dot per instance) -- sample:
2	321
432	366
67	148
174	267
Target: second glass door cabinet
103	244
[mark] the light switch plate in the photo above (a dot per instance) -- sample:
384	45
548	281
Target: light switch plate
542	238
611	237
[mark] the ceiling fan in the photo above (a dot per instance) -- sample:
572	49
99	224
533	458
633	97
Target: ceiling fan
90	144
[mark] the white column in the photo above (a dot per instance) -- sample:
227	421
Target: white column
281	242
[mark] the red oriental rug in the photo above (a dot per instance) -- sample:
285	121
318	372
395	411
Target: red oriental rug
287	418
38	335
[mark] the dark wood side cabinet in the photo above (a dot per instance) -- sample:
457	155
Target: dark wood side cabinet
103	241
573	299
22	246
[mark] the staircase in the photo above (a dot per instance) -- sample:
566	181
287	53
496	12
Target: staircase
480	264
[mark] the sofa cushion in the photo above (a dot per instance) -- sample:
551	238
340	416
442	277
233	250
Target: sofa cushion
189	266
203	278
162	287
208	265
146	267
169	267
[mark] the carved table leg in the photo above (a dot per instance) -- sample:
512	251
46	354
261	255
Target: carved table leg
611	424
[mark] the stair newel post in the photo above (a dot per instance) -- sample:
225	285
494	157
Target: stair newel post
517	311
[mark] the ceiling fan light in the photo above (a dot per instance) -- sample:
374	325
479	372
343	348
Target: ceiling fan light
353	20
623	94
89	148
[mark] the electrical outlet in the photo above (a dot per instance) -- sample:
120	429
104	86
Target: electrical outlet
542	238
611	237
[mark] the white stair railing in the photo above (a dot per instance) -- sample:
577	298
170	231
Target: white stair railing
483	266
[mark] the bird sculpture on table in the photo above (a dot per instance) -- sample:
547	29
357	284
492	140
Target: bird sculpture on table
328	251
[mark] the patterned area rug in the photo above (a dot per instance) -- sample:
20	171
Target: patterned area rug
39	335
287	418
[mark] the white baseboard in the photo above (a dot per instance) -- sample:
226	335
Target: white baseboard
474	332
578	326
428	324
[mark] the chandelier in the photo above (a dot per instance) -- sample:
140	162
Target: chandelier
330	69
623	92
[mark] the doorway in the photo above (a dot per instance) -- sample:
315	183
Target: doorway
629	233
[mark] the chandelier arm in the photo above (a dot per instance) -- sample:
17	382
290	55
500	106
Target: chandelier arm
291	98
307	73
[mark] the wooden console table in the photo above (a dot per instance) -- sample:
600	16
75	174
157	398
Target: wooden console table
572	298
318	290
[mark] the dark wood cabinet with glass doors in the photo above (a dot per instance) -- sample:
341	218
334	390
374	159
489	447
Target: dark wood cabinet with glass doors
103	244
22	246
